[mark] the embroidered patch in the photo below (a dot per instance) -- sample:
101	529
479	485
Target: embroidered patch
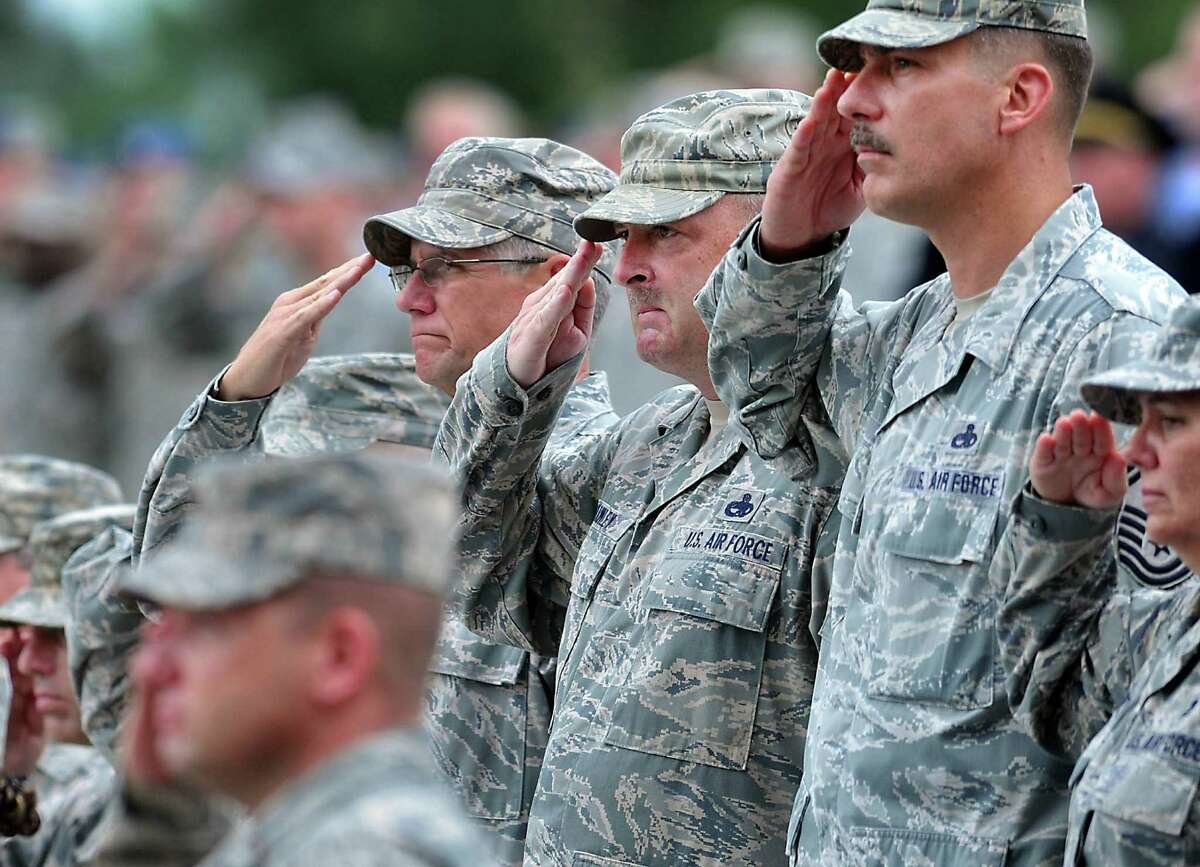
964	437
952	482
740	505
609	521
722	541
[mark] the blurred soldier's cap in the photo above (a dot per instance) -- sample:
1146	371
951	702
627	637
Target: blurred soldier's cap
923	23
680	158
1172	367
260	530
51	545
344	403
35	489
482	191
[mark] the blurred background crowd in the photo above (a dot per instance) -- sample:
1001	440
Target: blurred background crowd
167	167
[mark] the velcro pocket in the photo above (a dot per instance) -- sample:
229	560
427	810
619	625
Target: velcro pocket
1147	790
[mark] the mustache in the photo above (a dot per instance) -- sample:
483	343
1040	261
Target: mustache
642	295
862	137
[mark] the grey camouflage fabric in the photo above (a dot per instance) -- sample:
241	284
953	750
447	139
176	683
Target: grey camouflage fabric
680	158
35	488
914	753
923	23
264	528
345	403
1133	801
1172	368
481	191
378	803
681	587
51	545
74	785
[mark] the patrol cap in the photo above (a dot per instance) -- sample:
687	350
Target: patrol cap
482	191
34	488
1172	367
51	544
923	23
344	403
262	529
680	158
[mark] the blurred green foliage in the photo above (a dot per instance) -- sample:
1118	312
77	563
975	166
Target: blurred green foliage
216	60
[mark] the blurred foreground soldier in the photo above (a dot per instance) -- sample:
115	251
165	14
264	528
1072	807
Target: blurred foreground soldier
959	120
493	225
300	606
670	566
73	781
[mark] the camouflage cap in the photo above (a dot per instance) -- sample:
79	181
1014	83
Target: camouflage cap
482	191
262	529
52	543
34	488
1172	367
923	23
344	403
680	158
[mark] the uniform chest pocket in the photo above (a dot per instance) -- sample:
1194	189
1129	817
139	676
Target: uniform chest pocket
692	691
933	629
1141	803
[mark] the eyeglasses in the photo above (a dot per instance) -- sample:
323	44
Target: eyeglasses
435	268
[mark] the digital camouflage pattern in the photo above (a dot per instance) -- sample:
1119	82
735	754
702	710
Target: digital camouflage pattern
51	545
1173	368
379	802
262	529
345	403
1133	801
680	583
481	191
923	23
74	785
35	488
680	158
940	423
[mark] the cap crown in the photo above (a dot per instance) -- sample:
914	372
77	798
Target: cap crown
346	402
53	542
529	187
1052	16
716	141
35	489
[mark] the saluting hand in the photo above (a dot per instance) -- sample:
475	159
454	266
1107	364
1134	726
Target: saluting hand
25	738
555	322
816	189
284	340
1079	464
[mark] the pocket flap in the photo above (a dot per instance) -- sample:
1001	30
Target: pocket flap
461	653
940	533
1147	790
707	588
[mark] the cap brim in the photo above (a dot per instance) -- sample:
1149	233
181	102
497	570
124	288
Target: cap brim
886	28
35	606
640	205
389	236
1115	394
8	544
191	578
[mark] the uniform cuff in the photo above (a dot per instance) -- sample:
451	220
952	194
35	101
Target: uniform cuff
502	400
1055	522
237	420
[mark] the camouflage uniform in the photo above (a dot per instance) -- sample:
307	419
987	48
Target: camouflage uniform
74	783
914	754
674	576
262	530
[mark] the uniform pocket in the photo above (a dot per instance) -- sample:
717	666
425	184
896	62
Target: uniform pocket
477	717
933	630
692	692
1148	792
892	847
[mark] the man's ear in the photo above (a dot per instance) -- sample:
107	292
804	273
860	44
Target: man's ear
348	656
557	262
1030	95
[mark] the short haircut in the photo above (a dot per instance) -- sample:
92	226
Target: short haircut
522	248
1069	59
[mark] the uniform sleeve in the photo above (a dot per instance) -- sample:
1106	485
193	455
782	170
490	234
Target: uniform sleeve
778	331
208	428
1065	622
519	537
